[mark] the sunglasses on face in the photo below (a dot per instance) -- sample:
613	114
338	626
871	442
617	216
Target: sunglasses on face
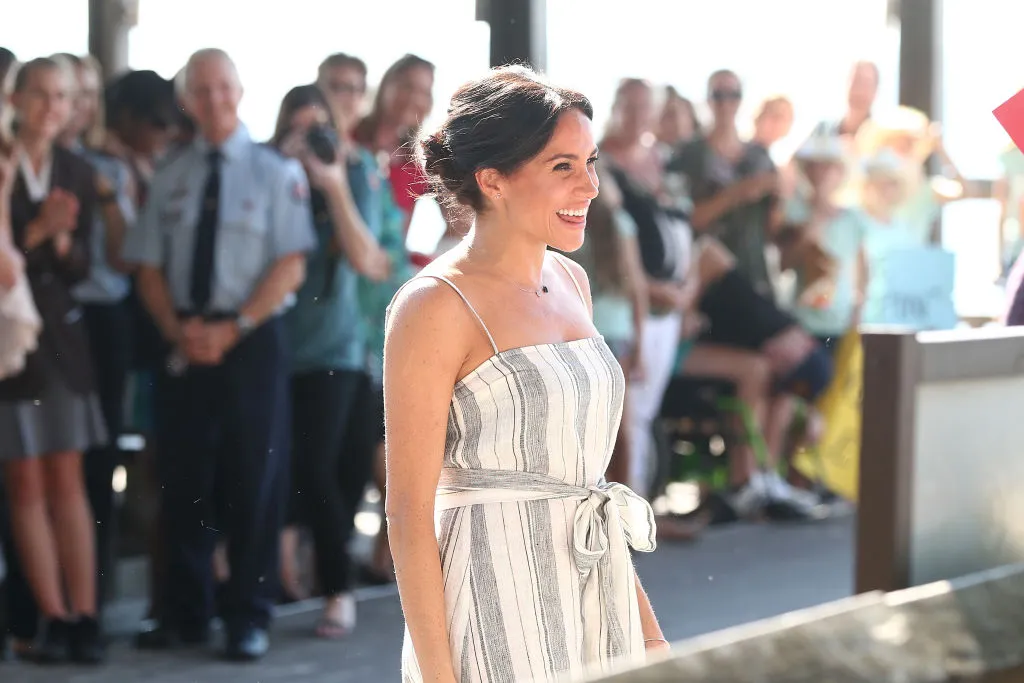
345	88
726	95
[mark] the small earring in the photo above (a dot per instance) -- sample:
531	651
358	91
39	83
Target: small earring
497	195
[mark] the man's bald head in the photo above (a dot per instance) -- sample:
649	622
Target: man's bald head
211	90
207	57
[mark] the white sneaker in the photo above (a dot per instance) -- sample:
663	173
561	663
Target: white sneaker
747	501
799	503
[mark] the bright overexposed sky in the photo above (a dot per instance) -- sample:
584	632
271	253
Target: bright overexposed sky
799	47
802	48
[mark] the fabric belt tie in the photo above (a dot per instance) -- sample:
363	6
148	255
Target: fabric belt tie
609	517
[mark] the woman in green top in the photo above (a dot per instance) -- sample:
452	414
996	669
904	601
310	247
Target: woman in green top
328	350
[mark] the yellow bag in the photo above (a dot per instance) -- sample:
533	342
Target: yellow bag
835	461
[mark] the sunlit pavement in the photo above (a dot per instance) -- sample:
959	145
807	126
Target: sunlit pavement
731	576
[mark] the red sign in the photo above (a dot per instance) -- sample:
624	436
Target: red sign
1010	115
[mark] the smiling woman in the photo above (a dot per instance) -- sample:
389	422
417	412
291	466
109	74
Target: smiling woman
517	401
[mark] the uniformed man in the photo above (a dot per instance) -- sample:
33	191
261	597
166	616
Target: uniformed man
220	247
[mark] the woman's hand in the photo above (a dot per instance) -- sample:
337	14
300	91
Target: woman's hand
59	213
8	173
694	323
757	187
324	176
11	265
633	364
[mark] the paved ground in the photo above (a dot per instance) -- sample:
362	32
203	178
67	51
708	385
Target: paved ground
732	576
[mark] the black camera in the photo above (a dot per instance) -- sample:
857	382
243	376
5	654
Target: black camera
323	143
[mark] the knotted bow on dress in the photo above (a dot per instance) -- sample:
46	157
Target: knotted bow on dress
609	517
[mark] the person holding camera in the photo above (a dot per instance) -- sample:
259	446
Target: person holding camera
328	350
221	246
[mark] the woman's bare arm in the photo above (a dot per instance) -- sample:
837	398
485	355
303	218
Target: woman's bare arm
654	639
428	339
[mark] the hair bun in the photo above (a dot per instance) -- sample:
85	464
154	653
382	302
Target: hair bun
439	164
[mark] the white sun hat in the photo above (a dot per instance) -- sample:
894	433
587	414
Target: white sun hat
824	148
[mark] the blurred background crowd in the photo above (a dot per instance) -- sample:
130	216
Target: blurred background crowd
739	238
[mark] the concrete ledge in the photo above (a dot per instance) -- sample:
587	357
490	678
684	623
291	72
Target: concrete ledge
971	629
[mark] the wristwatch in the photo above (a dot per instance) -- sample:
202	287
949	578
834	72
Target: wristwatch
245	325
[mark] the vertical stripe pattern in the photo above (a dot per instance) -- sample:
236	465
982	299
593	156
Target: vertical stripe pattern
515	592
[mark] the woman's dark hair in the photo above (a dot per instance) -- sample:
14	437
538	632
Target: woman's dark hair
367	128
145	96
501	122
299	97
7	60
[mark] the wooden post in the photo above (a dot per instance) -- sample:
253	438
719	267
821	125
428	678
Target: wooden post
109	24
518	31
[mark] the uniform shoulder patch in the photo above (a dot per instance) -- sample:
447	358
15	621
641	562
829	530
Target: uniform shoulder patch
299	190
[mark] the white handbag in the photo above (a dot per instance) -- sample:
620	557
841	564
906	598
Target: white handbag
20	326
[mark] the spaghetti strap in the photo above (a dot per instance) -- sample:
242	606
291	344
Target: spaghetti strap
579	290
468	305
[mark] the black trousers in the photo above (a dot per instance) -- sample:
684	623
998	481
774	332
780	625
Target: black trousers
330	467
224	431
110	328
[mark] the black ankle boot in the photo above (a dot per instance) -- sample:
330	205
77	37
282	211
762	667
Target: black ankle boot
53	642
86	641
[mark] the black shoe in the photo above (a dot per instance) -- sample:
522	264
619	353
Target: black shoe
166	638
781	510
247	645
54	641
86	642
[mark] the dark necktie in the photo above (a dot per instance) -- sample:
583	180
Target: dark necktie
204	256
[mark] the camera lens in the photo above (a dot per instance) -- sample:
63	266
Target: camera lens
323	142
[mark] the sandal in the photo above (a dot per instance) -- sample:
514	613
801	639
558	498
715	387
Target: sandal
331	629
336	627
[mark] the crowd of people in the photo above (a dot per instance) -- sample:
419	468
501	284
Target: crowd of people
226	297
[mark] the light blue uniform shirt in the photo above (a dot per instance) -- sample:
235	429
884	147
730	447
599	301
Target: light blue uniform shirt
104	284
264	215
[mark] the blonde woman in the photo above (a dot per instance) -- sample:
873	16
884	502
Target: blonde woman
49	413
911	136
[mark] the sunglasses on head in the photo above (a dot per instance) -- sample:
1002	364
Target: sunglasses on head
726	95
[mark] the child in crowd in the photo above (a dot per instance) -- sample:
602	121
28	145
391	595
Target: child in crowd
887	228
823	242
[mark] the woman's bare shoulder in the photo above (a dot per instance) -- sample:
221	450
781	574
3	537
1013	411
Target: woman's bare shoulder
577	271
429	314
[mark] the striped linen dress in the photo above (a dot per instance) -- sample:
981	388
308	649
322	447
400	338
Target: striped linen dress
538	579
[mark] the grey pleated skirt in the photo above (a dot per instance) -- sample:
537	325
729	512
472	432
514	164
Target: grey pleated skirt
59	421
